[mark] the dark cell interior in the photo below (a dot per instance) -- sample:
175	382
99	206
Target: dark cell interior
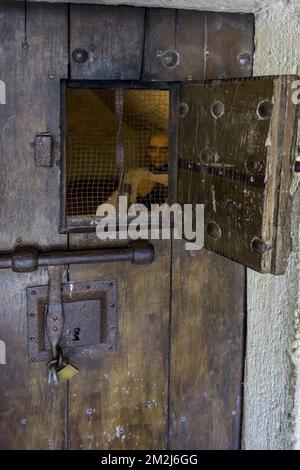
117	144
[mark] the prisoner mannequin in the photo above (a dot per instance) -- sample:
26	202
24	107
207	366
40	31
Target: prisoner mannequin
148	186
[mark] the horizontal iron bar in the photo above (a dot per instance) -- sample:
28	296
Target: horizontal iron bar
28	259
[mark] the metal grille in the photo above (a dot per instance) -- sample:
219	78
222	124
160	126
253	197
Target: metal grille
117	143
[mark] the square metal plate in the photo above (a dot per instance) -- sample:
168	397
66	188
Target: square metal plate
90	310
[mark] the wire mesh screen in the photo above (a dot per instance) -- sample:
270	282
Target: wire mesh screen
117	144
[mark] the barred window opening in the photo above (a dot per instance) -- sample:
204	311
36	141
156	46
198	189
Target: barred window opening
117	144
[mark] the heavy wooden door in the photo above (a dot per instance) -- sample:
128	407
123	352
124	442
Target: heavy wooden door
175	380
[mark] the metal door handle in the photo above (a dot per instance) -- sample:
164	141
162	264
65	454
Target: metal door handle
27	259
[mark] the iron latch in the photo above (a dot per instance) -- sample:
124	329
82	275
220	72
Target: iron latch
28	259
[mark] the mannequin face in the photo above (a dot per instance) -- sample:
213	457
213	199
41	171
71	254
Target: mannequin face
159	149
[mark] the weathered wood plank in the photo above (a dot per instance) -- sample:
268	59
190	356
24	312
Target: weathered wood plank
229	45
32	415
209	45
208	311
169	32
207	351
119	400
107	41
240	166
31	67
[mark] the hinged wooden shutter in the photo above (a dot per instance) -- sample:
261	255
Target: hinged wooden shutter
236	155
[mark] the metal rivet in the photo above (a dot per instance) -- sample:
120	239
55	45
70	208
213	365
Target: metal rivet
33	292
110	348
55	318
253	165
183	110
170	58
89	412
51	75
54	328
32	315
183	419
25	45
264	110
112	328
214	230
32	338
207	156
149	404
245	60
23	421
80	55
217	109
259	246
88	286
120	431
33	358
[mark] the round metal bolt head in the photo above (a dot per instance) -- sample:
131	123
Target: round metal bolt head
245	60
183	110
253	165
149	404
80	55
264	110
259	246
217	109
213	230
207	156
170	58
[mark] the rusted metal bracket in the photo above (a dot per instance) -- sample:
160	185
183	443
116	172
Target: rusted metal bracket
27	259
54	308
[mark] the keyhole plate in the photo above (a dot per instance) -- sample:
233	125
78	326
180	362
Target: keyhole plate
90	323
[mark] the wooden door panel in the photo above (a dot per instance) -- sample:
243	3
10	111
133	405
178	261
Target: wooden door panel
106	43
205	408
31	67
34	59
207	350
120	400
208	45
166	385
32	413
241	166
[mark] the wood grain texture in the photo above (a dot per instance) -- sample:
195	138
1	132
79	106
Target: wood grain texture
241	166
229	45
120	400
31	67
175	31
209	45
113	38
32	415
207	350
